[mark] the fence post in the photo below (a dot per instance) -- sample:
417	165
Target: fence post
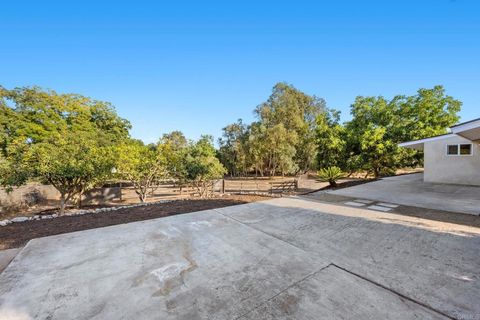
120	186
223	186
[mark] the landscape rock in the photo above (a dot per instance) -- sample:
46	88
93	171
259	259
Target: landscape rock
4	222
81	212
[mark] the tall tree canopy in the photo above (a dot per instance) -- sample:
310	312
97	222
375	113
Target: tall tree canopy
378	125
35	115
233	149
281	141
58	138
294	112
330	140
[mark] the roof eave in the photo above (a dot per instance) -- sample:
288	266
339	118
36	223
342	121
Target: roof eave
418	144
469	130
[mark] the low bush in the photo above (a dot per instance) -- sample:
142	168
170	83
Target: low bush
331	175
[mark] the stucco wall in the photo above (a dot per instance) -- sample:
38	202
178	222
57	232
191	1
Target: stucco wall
441	168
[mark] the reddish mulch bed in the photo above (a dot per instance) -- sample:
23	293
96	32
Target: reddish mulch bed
18	234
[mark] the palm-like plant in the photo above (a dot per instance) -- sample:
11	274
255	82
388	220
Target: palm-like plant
331	175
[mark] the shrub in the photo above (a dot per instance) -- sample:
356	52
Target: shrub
331	174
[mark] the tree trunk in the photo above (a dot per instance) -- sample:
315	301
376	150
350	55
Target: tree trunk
62	204
79	204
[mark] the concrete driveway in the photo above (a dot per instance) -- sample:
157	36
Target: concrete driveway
410	190
289	258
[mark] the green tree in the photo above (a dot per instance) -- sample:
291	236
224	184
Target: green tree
60	139
330	140
72	162
140	165
173	148
378	125
14	170
40	114
294	112
232	152
202	167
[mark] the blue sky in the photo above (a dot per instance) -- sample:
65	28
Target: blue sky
197	66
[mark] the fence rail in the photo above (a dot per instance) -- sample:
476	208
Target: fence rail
37	194
245	186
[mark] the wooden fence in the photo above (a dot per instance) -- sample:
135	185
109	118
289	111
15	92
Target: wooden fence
37	194
263	186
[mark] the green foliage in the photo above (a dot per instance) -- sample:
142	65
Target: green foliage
233	148
173	148
140	165
282	141
62	139
71	162
378	125
330	175
73	142
202	166
37	115
330	140
289	116
14	170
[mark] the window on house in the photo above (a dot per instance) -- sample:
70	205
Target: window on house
459	149
452	149
466	149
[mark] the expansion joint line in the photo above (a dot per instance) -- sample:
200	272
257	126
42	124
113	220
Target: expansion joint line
401	295
261	231
282	291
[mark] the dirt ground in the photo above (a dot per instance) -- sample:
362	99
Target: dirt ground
18	234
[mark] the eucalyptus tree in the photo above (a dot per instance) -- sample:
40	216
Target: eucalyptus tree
290	115
233	148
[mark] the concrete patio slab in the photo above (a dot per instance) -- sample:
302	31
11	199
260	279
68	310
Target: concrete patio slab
6	256
278	259
436	263
332	294
194	266
410	190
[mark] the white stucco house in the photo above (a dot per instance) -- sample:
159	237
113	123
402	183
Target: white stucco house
454	157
